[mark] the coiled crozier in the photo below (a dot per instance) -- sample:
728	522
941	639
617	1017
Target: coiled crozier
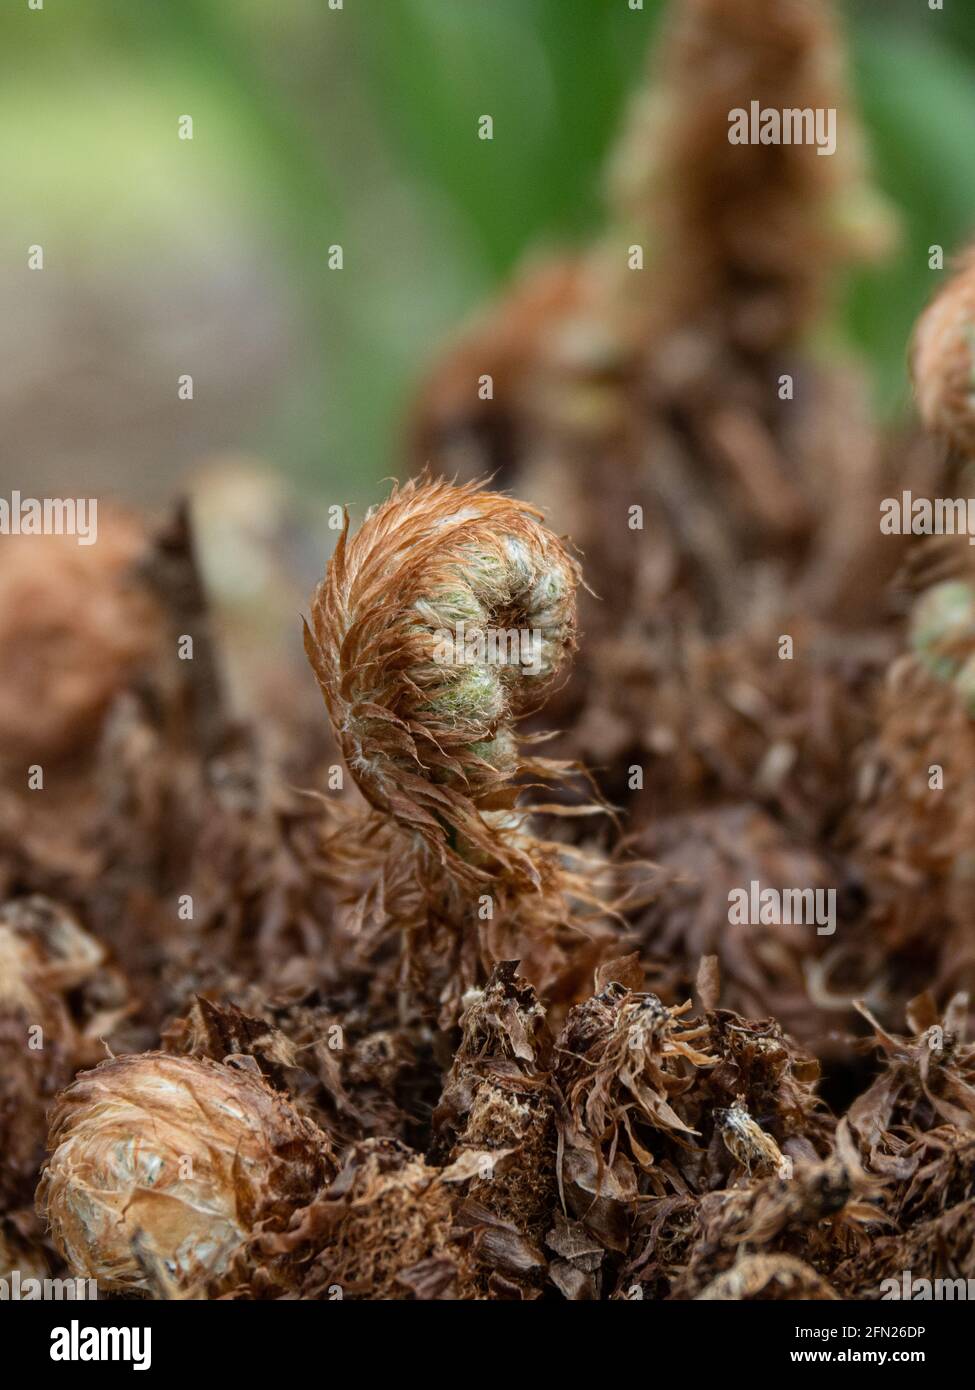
440	623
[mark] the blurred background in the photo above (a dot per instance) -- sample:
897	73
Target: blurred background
315	126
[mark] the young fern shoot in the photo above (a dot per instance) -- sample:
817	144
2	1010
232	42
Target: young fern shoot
444	620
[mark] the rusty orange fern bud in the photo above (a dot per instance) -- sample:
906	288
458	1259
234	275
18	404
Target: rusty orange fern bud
165	1170
943	360
439	624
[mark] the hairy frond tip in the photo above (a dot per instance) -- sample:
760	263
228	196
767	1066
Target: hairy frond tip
439	623
749	235
942	357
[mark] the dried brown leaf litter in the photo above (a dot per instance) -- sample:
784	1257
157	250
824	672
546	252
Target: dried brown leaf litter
396	1000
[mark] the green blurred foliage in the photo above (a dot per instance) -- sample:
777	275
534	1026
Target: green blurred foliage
914	78
315	126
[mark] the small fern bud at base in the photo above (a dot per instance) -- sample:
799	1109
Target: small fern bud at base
164	1169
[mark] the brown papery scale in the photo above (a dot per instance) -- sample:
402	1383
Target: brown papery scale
441	622
164	1171
384	1229
498	1103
